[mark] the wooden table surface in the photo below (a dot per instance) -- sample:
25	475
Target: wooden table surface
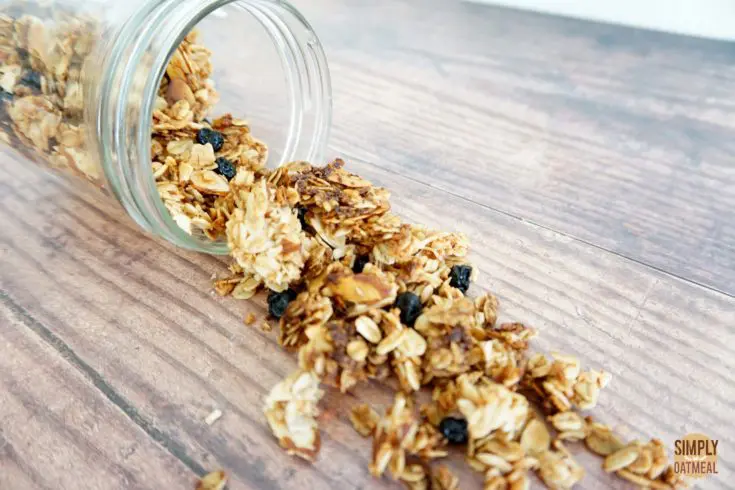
592	166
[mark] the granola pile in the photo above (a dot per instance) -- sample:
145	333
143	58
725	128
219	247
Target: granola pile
360	294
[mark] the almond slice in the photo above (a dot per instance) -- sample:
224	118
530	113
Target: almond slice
209	182
178	90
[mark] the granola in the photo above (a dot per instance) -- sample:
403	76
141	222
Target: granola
364	419
349	323
41	89
291	408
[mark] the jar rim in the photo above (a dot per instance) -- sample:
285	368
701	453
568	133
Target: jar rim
128	167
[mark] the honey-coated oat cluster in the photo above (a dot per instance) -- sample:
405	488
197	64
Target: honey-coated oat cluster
359	294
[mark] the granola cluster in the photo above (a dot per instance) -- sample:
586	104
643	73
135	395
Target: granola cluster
291	408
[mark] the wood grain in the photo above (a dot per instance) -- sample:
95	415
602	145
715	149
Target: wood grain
620	137
140	314
54	416
500	124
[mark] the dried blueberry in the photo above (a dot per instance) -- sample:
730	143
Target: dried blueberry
5	95
459	277
301	212
359	264
410	306
454	430
31	79
6	98
215	138
225	168
277	302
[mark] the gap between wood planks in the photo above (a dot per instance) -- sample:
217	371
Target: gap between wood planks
173	447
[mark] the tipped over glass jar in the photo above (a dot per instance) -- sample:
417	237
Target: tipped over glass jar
93	89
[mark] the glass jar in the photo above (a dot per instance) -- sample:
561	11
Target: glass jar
79	82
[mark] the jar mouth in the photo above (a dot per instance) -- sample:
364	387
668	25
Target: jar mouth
126	145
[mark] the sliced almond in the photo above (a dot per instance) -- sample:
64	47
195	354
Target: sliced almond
209	182
347	179
201	155
179	147
361	288
178	90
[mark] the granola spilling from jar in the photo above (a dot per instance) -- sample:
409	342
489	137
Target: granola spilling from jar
360	294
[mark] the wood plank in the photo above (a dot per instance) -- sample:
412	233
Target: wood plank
617	136
59	430
140	313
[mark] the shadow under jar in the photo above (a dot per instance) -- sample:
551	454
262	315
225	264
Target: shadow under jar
79	83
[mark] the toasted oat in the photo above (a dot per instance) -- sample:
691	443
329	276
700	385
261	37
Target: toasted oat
364	419
368	329
249	318
621	458
601	439
570	426
535	438
443	479
215	480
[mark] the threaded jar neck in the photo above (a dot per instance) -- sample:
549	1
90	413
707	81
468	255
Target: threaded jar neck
133	62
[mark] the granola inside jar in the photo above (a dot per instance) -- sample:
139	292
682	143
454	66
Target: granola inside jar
80	84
